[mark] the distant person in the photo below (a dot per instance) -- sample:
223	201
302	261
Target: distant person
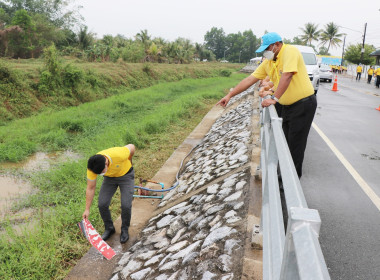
377	73
286	68
370	73
115	164
359	70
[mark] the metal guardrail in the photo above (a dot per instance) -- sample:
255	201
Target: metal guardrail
297	253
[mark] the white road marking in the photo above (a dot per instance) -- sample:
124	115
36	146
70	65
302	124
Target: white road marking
363	185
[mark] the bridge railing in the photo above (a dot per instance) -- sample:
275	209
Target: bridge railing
296	253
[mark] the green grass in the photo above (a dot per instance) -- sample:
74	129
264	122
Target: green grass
28	88
155	119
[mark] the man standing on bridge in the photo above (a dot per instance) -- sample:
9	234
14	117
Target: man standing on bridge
292	88
115	164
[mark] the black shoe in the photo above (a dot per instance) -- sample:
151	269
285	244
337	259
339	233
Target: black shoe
124	236
107	233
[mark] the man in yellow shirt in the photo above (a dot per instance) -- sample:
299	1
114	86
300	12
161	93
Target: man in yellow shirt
377	73
359	70
115	164
292	89
370	73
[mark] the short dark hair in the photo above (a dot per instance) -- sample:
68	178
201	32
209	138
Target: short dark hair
96	163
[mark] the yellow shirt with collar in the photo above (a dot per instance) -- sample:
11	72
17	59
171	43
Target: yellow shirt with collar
119	164
370	71
359	69
289	59
377	72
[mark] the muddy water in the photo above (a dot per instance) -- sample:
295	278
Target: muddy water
12	188
41	161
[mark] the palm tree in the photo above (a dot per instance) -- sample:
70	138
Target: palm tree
144	38
331	35
310	33
85	38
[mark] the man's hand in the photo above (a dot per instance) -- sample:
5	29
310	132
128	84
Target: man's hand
224	101
264	93
268	102
86	214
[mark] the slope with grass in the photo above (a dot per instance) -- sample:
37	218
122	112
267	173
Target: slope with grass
156	119
31	86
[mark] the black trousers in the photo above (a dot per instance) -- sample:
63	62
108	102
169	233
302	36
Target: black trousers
377	81
296	122
358	75
126	184
369	78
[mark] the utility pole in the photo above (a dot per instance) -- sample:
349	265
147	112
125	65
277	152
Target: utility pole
361	55
344	43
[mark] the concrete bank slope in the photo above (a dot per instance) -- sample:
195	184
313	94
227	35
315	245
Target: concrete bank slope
199	230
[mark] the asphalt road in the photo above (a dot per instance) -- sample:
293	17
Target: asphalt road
350	231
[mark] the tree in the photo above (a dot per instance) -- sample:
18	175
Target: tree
323	51
4	18
144	38
215	42
5	36
331	35
295	41
310	33
201	53
85	38
62	13
133	52
22	43
353	53
250	45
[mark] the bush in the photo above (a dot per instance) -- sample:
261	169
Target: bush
92	79
6	75
138	139
17	150
55	140
47	82
147	68
72	76
225	73
52	62
72	126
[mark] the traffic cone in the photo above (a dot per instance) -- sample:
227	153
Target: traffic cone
335	86
378	109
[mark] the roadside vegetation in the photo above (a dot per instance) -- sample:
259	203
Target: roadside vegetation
156	119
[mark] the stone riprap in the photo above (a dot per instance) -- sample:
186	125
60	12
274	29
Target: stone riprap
199	228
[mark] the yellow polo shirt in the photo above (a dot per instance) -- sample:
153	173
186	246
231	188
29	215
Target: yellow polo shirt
359	69
370	71
377	72
289	59
119	163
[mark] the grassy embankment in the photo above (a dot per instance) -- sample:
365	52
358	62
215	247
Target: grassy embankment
156	119
31	86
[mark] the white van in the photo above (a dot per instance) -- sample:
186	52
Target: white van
311	63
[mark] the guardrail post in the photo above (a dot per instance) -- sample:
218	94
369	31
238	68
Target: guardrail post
303	258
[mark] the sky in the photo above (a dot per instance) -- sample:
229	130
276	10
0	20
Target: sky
171	19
